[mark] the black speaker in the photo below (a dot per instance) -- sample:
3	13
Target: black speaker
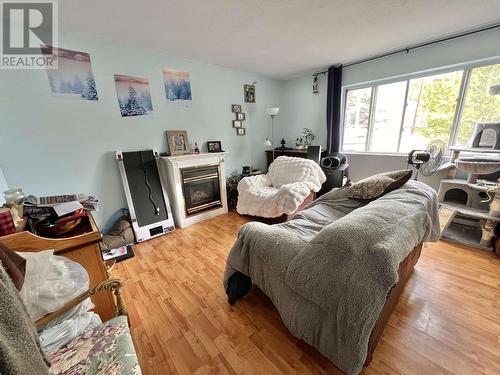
333	161
335	178
336	169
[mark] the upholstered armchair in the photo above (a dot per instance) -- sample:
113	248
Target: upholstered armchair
282	191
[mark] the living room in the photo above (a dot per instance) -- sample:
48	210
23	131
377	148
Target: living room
181	157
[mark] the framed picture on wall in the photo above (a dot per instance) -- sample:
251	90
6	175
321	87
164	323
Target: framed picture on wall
237	124
240	116
236	108
178	143
249	93
240	131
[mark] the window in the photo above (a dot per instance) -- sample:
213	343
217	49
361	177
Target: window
409	114
479	106
431	106
357	111
387	117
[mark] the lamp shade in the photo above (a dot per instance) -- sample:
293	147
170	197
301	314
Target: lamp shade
268	142
273	111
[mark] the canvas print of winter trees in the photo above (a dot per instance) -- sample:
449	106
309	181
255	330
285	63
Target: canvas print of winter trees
177	87
133	94
73	78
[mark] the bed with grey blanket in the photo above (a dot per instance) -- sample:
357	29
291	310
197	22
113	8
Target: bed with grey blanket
329	270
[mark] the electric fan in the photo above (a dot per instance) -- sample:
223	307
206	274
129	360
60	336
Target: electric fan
427	161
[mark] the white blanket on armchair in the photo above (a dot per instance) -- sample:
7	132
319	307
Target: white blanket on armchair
282	190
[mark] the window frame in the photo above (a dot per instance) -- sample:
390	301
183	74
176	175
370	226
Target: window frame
466	68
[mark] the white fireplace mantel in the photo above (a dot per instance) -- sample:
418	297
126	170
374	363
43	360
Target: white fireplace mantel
170	171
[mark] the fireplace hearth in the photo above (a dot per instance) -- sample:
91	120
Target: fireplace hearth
196	186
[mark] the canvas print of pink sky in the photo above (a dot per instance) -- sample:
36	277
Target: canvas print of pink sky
134	97
74	77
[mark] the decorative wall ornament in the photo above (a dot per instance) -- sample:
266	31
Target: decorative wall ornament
133	95
74	77
239	118
249	93
177	86
315	84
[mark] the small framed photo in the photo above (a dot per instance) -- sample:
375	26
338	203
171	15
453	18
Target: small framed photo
240	116
236	108
249	93
214	146
178	143
240	131
237	124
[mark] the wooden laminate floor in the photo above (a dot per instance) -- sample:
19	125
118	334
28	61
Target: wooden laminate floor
447	320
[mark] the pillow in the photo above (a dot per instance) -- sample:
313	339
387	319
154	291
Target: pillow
14	264
375	186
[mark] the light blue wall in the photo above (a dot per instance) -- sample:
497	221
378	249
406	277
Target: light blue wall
51	145
301	108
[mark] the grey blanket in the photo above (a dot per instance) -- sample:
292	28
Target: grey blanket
329	271
20	351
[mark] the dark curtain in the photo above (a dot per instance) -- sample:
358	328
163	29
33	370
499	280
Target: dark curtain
333	103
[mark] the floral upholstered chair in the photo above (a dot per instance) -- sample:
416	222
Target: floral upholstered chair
106	349
102	349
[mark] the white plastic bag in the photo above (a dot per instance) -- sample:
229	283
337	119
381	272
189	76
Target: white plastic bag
83	307
59	335
50	282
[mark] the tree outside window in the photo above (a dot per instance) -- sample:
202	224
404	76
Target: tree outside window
480	106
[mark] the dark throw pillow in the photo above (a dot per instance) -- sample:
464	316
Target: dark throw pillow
375	186
14	264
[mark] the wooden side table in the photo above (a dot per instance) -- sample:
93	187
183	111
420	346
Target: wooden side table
80	245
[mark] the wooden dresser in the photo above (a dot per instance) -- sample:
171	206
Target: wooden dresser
81	245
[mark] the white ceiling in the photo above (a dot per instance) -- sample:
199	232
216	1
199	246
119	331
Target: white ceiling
276	38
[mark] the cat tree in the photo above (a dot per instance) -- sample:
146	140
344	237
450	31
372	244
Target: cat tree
474	201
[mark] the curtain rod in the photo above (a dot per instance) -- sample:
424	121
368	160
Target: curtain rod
424	44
